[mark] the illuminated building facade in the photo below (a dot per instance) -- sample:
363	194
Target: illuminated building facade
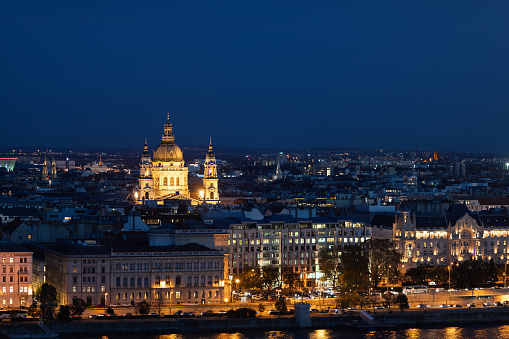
190	274
15	276
165	174
440	240
210	179
283	241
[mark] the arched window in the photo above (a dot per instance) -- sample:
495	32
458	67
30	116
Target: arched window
196	280
131	282
210	294
178	181
124	282
196	294
202	280
177	280
189	295
146	195
145	281
209	280
167	280
139	281
172	181
131	296
216	279
165	181
158	280
158	295
211	195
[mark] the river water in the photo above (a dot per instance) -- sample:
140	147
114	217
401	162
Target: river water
464	332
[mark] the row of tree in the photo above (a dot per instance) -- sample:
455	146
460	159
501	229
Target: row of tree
268	278
467	273
47	298
358	266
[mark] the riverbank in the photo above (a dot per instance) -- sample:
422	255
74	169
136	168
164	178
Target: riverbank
327	321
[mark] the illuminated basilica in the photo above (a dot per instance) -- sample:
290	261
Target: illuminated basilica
165	175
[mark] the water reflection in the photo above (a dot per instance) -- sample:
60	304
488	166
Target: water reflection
453	332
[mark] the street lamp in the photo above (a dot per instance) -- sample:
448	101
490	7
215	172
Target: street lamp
105	300
388	270
505	275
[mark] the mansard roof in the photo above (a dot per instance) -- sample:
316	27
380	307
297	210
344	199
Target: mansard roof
458	211
494	220
384	220
7	246
431	221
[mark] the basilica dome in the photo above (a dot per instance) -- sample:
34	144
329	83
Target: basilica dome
167	152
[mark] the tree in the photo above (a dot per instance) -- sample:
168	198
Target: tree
64	313
328	259
251	279
289	277
388	299
46	297
354	266
280	305
143	308
158	302
347	299
417	275
33	311
383	258
110	311
261	308
78	307
270	277
401	300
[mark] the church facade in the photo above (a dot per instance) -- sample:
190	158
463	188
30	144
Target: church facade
165	174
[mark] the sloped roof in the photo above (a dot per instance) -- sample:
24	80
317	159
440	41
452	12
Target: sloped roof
384	220
7	246
431	221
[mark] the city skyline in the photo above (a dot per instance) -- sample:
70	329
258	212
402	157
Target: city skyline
279	76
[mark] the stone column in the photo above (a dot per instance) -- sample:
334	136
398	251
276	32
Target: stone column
302	315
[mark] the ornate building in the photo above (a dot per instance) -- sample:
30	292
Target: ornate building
442	239
165	176
210	180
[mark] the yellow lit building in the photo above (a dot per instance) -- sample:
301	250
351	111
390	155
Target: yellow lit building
15	276
165	175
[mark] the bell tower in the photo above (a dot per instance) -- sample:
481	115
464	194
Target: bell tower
145	181
45	169
53	168
210	179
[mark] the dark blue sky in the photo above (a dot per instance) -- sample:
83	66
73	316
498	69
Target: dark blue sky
282	74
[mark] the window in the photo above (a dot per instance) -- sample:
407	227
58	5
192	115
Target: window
145	282
117	281
177	280
74	270
74	289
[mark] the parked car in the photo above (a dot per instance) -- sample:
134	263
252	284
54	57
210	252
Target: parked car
421	306
379	308
458	305
498	303
471	305
274	312
487	303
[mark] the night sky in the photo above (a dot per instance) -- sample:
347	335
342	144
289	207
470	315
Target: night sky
281	74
